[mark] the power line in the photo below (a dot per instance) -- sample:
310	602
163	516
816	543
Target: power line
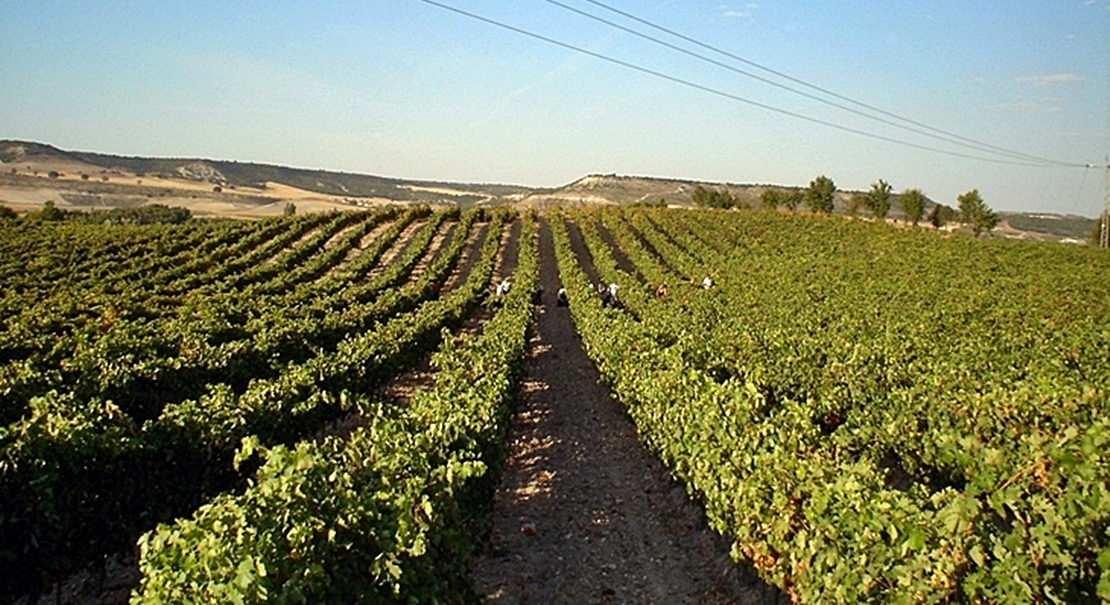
1104	219
718	92
966	141
1079	192
928	131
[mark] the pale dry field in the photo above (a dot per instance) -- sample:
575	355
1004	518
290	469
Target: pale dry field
30	186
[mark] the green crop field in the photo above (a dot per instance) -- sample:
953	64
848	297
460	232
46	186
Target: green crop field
152	372
866	413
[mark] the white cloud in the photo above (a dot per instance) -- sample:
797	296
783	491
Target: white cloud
1083	135
744	12
1049	79
1026	107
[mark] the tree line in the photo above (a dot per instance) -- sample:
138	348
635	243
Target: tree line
820	196
140	215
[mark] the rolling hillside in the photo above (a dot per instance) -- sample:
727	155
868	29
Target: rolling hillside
33	173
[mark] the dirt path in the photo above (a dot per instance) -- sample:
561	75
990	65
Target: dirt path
583	514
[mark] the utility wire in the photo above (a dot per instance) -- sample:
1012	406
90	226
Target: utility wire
718	92
1079	192
949	137
924	130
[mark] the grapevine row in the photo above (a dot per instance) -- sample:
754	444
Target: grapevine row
74	458
385	514
879	466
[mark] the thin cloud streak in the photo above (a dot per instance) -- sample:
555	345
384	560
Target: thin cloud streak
744	12
1026	107
1050	79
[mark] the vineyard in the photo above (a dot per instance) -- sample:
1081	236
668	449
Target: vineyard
313	408
235	376
867	414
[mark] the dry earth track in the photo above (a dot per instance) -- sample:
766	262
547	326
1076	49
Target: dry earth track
583	514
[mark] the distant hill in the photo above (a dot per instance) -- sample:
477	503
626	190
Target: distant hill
1063	226
616	189
242	184
226	173
612	189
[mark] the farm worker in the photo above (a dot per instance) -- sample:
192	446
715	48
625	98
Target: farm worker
503	288
661	291
609	296
561	297
707	283
606	297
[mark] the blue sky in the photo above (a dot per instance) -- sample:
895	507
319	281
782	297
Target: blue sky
402	88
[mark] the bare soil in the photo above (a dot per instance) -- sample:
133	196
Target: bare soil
583	514
29	187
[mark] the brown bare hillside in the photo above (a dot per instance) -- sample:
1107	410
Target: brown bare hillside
33	173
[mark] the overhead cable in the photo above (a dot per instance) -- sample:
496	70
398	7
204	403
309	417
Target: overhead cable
907	124
718	92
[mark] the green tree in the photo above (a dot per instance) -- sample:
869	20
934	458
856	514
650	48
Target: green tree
150	214
723	199
8	213
819	194
793	199
700	196
50	212
878	199
941	215
290	209
975	213
856	202
913	204
713	198
770	199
